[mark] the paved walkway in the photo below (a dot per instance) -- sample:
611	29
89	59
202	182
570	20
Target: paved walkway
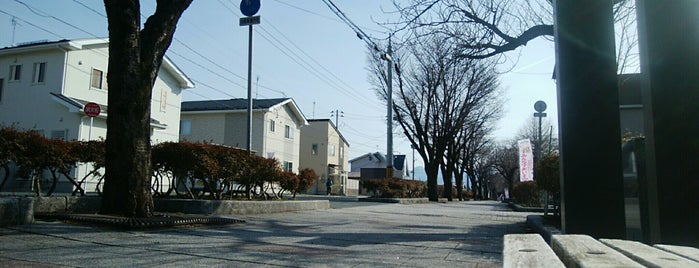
463	234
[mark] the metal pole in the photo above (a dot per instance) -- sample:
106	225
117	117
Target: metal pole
538	160
249	133
538	148
413	147
389	113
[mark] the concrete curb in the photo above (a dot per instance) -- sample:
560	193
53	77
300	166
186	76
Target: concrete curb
20	210
395	200
226	207
16	211
519	208
536	222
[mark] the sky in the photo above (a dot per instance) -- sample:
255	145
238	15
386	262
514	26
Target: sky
301	50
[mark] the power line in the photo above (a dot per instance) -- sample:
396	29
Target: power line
357	30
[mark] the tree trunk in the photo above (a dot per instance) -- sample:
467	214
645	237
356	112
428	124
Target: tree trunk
447	179
432	171
135	57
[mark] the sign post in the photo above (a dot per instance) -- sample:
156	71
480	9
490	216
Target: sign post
91	109
249	8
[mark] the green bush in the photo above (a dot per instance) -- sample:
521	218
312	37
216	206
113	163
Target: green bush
526	194
548	174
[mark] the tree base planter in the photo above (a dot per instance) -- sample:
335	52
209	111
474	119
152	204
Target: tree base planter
157	221
22	210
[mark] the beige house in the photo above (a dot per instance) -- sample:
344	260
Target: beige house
276	126
324	149
45	85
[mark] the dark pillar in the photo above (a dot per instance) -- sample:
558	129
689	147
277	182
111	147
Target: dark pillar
669	46
588	101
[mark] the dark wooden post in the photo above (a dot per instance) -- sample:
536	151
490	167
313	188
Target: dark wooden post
669	46
588	102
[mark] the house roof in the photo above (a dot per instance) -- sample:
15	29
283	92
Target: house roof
398	160
377	155
80	44
333	125
77	105
241	105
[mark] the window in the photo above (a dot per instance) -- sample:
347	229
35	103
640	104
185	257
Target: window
15	72
314	149
185	127
2	83
332	150
58	134
96	80
288	166
39	73
342	151
271	125
288	132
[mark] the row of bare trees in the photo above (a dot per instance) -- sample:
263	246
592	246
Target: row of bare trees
448	97
446	106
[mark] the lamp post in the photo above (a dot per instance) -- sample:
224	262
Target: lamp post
540	107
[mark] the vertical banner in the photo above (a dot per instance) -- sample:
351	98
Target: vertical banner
526	160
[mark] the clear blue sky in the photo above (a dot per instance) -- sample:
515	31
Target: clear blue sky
301	50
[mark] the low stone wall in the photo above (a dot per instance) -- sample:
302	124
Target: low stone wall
236	207
16	211
20	210
395	200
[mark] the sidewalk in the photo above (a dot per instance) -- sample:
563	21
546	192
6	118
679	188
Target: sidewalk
463	234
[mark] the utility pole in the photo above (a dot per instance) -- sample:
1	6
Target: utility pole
337	114
389	110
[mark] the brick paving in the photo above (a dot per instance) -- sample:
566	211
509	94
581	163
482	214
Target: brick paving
463	234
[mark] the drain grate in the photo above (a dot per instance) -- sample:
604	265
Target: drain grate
130	222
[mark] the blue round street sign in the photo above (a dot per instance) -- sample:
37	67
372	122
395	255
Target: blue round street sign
249	7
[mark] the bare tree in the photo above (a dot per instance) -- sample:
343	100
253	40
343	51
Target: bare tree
530	130
135	56
505	160
439	93
487	28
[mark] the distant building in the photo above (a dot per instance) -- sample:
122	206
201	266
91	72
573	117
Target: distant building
276	126
373	165
324	149
44	87
630	104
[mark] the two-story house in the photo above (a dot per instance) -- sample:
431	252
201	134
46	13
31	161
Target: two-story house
45	85
324	149
276	126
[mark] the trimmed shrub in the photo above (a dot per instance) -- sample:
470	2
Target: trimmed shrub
395	188
526	194
548	175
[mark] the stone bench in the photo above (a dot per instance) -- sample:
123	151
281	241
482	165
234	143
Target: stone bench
530	250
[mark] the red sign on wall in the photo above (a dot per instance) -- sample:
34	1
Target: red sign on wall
92	109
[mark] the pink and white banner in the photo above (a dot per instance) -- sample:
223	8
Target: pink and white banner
526	160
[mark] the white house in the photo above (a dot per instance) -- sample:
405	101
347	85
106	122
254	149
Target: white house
276	125
373	165
45	85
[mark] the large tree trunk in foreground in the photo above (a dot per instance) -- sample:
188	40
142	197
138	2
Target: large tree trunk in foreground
135	56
